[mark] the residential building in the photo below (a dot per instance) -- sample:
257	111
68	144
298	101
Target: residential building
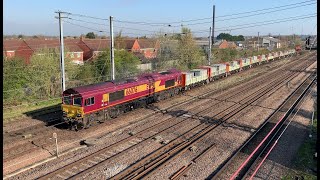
92	47
16	48
223	44
10	47
271	42
72	50
149	47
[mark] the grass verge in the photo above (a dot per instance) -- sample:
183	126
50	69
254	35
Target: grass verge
12	114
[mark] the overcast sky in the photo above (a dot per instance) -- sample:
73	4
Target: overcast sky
34	17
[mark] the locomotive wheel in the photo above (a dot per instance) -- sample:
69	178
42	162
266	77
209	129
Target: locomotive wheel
78	126
71	126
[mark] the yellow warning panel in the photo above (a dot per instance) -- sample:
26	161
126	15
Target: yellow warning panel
105	97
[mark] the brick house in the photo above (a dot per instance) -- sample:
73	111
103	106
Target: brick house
17	48
149	47
132	45
225	44
72	50
92	47
10	47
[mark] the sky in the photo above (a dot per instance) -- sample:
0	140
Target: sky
37	17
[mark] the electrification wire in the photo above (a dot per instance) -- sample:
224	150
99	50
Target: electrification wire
88	22
269	23
82	26
169	23
257	14
86	16
239	25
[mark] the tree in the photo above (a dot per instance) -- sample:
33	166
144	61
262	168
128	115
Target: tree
20	36
143	37
125	65
188	53
119	41
229	37
90	35
14	80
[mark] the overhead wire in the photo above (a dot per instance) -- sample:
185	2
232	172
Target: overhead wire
82	26
86	16
248	12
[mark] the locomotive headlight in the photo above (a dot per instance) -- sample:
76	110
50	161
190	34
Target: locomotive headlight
78	113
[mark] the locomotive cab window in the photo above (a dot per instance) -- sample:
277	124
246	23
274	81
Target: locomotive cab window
169	83
67	100
89	101
77	101
116	96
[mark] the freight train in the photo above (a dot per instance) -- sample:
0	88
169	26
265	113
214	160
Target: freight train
85	105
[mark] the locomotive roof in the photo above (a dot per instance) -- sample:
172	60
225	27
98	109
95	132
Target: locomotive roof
117	85
107	85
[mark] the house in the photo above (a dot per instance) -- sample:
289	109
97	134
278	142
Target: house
10	47
130	45
271	42
149	47
72	50
16	48
223	44
92	47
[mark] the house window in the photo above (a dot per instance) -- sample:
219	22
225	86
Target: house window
78	55
71	55
89	101
116	96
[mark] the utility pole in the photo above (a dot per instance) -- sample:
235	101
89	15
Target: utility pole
63	84
258	41
213	16
112	49
209	55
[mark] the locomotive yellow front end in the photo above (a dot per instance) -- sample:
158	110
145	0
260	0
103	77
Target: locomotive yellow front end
72	109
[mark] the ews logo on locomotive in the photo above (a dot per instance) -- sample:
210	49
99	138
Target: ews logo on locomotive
131	90
136	89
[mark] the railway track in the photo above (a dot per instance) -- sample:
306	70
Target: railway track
147	166
72	170
263	139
